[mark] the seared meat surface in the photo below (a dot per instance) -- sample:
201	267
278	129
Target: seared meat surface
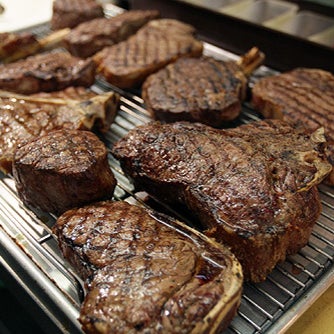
202	89
196	89
158	43
147	273
302	96
24	117
61	170
70	13
92	36
252	187
15	45
46	72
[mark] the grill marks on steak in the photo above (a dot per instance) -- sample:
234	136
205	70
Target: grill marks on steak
70	13
46	72
24	117
252	187
196	89
61	170
202	89
146	272
302	96
92	36
158	43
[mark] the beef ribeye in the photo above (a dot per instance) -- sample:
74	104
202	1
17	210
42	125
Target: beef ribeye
62	169
147	273
202	89
70	13
46	72
24	117
92	36
302	96
158	43
253	187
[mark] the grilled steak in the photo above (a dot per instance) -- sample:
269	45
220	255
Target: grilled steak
69	93
92	36
46	72
61	170
155	45
302	96
253	187
24	117
147	273
202	90
70	13
13	45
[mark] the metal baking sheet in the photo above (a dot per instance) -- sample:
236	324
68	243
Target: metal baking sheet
29	252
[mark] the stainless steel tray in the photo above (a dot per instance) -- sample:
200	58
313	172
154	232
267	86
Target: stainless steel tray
29	253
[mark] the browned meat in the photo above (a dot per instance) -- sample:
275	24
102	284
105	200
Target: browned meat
13	45
158	43
147	273
202	90
92	36
61	170
24	117
46	72
253	187
70	13
69	93
302	96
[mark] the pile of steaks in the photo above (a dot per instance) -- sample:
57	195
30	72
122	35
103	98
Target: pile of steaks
253	188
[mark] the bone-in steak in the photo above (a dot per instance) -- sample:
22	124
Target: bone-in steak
147	273
61	170
302	96
46	72
24	117
70	13
92	36
155	45
253	187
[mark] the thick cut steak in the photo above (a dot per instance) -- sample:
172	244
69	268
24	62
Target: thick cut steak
92	36
13	45
147	273
158	43
23	117
202	89
252	187
61	170
70	13
302	96
46	72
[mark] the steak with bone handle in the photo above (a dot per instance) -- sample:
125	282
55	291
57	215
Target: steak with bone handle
252	187
23	117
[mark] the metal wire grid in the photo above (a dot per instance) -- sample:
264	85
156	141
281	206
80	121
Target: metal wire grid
264	306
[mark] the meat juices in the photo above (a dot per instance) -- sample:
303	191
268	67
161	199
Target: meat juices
61	170
252	187
148	273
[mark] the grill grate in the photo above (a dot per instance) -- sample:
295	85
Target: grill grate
26	238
